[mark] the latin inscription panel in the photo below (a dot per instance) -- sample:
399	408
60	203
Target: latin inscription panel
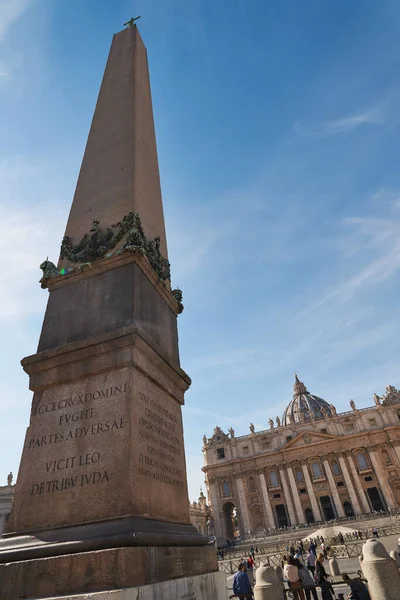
107	446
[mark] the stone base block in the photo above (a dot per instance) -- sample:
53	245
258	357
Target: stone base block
112	569
211	586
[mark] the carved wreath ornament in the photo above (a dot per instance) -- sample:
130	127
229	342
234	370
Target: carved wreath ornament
98	243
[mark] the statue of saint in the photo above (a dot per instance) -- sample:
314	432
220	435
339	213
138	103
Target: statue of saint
232	432
271	424
353	405
10	478
278	421
333	410
377	399
204	440
251	427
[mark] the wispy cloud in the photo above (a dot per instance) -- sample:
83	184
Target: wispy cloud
372	116
10	11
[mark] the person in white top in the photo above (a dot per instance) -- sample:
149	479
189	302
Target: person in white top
291	573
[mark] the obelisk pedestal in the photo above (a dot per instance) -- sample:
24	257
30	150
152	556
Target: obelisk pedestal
101	500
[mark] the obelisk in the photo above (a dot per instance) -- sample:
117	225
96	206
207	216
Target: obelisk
101	500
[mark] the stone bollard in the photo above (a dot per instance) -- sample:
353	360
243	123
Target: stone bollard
396	557
334	567
268	586
279	572
380	571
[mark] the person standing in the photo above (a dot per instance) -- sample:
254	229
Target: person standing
321	579
375	532
250	572
291	573
310	560
307	581
241	584
313	548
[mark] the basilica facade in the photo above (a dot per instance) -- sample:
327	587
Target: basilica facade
313	464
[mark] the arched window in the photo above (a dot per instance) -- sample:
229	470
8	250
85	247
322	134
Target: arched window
273	477
335	467
226	488
386	457
252	487
361	460
316	469
299	476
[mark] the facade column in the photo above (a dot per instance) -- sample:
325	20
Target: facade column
292	482
311	493
349	485
364	501
381	477
332	485
397	450
243	505
267	502
215	509
286	491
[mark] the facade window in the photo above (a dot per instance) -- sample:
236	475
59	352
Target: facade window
288	438
335	467
348	426
398	413
226	488
273	477
303	491
245	449
340	484
324	430
386	457
276	496
316	469
220	453
299	476
362	461
252	487
372	422
369	478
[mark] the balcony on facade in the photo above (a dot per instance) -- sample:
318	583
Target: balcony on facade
317	478
274	487
364	469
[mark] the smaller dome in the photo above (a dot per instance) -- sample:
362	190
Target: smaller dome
305	406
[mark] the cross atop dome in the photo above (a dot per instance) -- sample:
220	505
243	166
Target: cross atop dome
298	387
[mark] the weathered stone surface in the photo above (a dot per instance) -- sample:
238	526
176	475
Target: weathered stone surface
268	585
103	570
381	571
104	446
201	587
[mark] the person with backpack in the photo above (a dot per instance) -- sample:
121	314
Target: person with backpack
241	583
307	581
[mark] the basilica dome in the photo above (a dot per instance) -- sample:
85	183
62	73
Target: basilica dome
305	406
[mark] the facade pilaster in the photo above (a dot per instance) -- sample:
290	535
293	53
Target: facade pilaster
349	485
267	502
311	493
334	492
292	482
381	477
243	505
212	488
397	450
288	498
364	501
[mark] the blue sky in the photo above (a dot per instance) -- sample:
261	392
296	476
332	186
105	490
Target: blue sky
278	134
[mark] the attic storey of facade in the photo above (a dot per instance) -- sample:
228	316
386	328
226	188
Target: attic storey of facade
315	465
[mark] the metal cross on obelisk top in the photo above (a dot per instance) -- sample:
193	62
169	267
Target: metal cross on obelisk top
131	22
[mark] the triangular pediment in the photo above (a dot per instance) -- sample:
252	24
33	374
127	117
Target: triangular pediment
307	438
